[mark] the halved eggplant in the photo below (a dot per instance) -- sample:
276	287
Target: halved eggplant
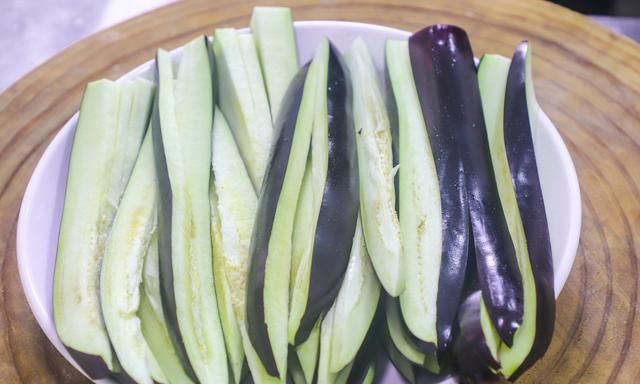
328	205
245	103
315	138
112	122
182	147
152	323
375	164
122	265
355	306
419	194
433	73
270	251
233	207
442	56
404	341
275	38
308	353
520	127
510	112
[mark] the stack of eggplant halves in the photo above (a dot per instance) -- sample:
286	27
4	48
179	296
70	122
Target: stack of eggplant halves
244	219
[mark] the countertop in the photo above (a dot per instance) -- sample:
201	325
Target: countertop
30	33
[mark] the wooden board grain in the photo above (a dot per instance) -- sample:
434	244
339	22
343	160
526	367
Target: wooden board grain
587	79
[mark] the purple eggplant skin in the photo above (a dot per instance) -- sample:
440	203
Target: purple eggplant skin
447	83
267	205
526	181
444	110
473	357
340	200
92	365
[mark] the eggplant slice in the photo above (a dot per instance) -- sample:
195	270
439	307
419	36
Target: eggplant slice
112	122
182	147
375	165
511	108
270	251
434	76
444	66
311	180
334	186
521	109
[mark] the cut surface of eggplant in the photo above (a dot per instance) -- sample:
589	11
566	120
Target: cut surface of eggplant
334	195
244	101
122	265
355	306
267	297
272	28
152	322
113	118
435	72
375	164
182	147
419	195
308	353
233	207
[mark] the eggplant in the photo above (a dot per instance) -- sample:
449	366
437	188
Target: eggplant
520	125
402	339
267	300
233	203
328	205
113	118
182	147
419	199
308	353
272	28
433	76
152	323
355	307
443	56
122	265
475	360
510	105
244	99
315	139
363	368
375	165
433	202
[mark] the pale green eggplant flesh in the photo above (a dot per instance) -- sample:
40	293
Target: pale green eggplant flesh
272	28
113	118
121	274
182	145
420	209
375	163
245	104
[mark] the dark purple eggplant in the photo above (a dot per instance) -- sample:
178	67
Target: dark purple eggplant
520	109
339	210
473	356
444	109
267	207
444	68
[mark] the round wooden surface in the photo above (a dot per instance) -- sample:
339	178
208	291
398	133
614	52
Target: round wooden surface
587	79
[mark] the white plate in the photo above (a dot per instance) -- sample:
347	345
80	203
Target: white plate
41	209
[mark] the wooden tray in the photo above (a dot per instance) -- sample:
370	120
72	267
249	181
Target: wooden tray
587	80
